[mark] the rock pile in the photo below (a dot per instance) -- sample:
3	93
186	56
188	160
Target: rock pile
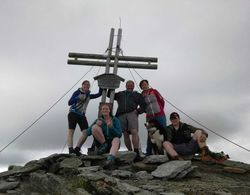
69	174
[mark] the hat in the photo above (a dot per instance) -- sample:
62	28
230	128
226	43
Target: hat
174	115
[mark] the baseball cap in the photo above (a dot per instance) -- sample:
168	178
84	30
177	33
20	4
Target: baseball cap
174	115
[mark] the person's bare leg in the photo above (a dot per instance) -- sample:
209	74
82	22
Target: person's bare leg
98	134
115	146
170	149
127	140
70	137
110	162
82	138
135	138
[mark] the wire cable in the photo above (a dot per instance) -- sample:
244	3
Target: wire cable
135	80
64	146
27	128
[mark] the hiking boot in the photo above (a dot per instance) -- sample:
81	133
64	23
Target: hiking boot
71	151
212	157
109	163
77	151
102	149
138	158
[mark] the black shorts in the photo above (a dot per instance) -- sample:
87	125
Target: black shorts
74	119
189	148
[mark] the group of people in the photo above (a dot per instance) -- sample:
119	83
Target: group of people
179	138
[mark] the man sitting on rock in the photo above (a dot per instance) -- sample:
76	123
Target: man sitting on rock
182	140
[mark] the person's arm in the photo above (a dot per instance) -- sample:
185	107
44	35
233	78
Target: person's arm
193	129
167	133
142	104
96	95
109	93
159	98
74	98
89	129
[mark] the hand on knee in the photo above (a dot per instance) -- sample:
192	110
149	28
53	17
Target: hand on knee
197	135
167	144
96	128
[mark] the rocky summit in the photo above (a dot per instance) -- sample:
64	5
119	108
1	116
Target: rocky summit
63	174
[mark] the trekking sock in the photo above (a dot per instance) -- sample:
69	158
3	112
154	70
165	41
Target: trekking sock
111	157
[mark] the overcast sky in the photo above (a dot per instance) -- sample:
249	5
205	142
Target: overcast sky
203	52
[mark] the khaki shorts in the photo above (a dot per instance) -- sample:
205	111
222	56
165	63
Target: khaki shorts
129	121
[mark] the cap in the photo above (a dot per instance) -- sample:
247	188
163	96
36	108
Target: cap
174	115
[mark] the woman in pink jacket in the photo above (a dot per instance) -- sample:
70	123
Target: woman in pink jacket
154	109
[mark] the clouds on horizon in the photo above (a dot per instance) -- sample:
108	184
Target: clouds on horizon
202	48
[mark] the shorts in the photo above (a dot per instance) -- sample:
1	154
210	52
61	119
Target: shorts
74	119
129	121
186	149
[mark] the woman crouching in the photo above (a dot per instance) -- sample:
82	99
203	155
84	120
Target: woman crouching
107	132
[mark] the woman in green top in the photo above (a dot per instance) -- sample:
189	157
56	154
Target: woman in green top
107	132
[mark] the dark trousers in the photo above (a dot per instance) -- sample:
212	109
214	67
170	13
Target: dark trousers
149	147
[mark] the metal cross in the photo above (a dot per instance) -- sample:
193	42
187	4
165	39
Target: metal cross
111	80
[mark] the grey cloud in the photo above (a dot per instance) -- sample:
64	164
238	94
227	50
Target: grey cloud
203	53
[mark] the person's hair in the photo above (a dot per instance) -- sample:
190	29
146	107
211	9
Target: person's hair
144	80
129	81
86	81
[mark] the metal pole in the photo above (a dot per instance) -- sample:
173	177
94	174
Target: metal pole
112	57
112	64
117	52
111	38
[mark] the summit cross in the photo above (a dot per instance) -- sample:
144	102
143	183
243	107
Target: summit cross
111	80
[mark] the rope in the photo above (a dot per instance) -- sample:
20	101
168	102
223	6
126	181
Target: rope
64	146
95	76
198	121
135	80
26	129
